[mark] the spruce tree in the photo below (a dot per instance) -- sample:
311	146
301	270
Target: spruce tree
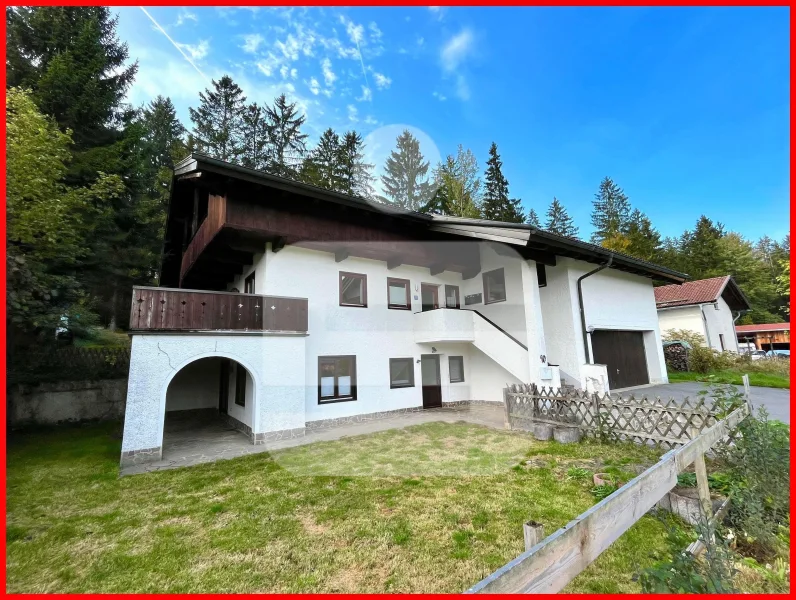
405	179
496	205
610	213
254	136
559	221
643	240
287	144
460	184
356	174
533	218
322	167
218	121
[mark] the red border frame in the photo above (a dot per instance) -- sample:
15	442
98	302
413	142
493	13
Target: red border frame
405	3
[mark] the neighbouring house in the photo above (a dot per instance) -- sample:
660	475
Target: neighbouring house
285	308
768	336
708	307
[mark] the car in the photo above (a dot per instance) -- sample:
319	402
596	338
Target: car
757	354
785	354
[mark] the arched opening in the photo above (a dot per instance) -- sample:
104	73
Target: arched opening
209	403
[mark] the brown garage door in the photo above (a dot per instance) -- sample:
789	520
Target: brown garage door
623	353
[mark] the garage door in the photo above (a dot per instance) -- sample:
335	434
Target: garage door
623	353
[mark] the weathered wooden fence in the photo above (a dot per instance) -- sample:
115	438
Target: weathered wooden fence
550	565
665	423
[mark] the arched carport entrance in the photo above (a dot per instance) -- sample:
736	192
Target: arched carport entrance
210	404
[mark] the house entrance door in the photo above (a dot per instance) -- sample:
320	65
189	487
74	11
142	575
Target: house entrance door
432	387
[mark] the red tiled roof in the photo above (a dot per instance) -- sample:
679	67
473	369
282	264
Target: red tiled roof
762	327
690	292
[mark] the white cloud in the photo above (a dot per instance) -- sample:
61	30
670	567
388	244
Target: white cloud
382	81
328	75
284	71
375	32
355	32
198	51
185	16
457	49
367	94
294	73
251	42
369	120
352	113
439	96
315	86
420	41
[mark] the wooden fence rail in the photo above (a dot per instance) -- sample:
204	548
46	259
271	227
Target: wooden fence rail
558	559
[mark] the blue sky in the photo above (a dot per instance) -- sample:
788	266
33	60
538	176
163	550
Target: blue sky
685	108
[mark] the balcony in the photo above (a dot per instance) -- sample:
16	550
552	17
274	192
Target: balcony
178	310
443	325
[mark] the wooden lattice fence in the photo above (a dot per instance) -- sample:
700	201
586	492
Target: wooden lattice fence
665	423
52	364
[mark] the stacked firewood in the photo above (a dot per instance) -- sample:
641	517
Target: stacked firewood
676	356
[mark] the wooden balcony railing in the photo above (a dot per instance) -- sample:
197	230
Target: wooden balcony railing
169	309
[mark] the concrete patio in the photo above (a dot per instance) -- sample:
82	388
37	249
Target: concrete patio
192	439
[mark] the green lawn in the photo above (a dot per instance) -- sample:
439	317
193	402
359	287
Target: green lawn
431	508
773	380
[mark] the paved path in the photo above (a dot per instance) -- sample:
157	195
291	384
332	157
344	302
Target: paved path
776	401
192	443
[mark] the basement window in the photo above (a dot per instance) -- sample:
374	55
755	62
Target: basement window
402	373
337	379
456	368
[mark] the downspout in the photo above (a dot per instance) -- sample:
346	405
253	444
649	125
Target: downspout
705	323
580	304
734	320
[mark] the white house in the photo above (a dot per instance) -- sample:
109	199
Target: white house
708	307
286	307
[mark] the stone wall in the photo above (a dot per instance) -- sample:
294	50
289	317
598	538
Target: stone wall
66	401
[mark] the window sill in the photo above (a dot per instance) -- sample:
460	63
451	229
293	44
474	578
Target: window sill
354	305
457	380
398	387
494	301
399	307
336	400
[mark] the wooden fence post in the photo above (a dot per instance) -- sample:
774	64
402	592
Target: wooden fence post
533	533
702	485
506	422
595	400
746	391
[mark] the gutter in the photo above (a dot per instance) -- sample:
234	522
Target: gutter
580	304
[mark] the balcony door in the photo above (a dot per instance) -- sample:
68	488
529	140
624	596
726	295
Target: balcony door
429	296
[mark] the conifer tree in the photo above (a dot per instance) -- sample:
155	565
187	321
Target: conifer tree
254	137
559	221
356	174
218	121
322	167
610	213
533	218
287	144
496	205
405	178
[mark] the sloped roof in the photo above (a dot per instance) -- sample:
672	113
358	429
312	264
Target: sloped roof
701	291
762	327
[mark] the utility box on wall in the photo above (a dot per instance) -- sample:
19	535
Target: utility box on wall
472	299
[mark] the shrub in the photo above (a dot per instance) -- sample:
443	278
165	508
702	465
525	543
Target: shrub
674	335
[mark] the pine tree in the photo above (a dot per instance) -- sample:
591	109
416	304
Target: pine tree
643	240
322	167
255	136
218	121
287	144
356	174
559	221
75	65
610	212
458	179
496	205
533	218
405	178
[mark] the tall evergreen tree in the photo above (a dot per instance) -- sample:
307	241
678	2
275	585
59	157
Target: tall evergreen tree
218	121
458	179
356	174
559	221
611	210
496	205
643	240
164	145
287	144
405	179
254	136
322	167
533	218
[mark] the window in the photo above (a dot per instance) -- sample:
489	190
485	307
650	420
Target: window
240	385
721	341
248	284
451	296
398	294
456	368
337	378
494	286
353	289
402	372
541	275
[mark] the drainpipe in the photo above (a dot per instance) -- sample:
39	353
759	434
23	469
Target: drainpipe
580	304
734	320
705	323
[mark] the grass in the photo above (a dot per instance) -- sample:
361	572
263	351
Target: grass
431	508
773	380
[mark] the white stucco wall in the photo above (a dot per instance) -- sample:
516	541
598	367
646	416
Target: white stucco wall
245	413
195	386
276	365
688	318
719	321
488	378
561	324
